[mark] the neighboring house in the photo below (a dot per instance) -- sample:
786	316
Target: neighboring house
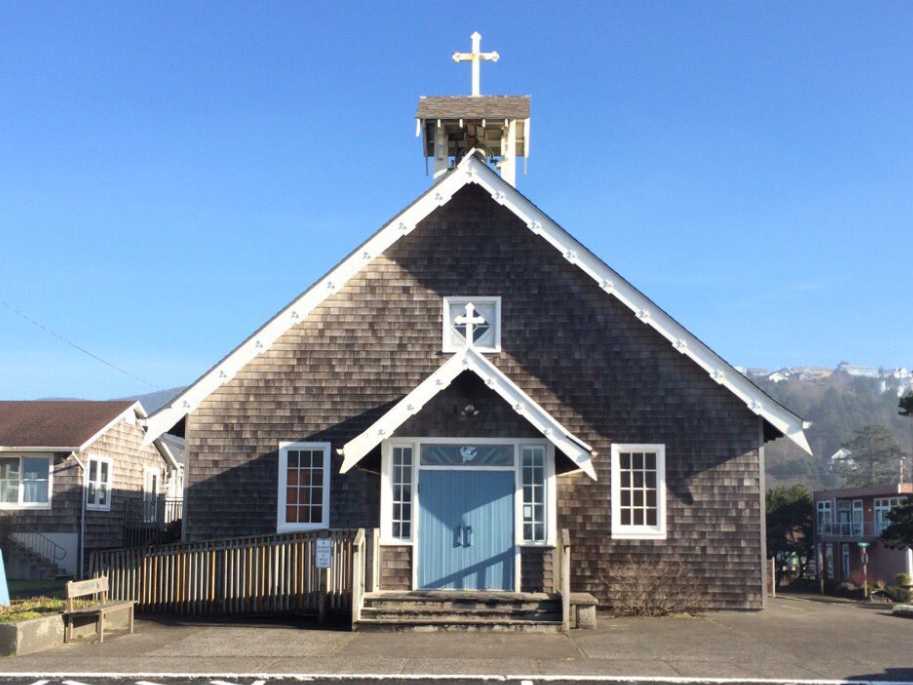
73	476
847	517
779	376
471	380
842	455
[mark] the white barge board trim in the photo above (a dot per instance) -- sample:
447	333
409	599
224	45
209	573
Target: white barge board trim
471	169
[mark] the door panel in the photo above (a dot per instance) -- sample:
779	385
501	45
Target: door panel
466	530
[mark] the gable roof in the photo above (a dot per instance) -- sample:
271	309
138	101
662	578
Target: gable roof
59	425
472	169
473	107
468	359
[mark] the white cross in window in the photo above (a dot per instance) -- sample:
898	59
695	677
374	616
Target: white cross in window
470	319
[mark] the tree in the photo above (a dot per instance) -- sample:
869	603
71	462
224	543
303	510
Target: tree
790	516
900	532
875	458
906	405
905	408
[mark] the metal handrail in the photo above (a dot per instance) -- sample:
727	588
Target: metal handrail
40	545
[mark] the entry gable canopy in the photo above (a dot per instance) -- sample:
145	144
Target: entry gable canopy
472	169
468	359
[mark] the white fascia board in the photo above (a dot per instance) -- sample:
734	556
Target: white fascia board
471	169
645	309
469	360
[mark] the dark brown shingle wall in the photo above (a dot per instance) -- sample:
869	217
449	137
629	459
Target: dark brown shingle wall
578	352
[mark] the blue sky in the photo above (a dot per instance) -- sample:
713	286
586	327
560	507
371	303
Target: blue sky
172	173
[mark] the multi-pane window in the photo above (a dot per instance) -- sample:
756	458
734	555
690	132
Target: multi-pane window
25	481
883	506
98	484
304	483
402	493
532	465
825	516
638	491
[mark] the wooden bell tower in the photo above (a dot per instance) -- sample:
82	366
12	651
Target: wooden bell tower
496	125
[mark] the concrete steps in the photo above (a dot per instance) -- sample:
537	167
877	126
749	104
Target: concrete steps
459	611
23	564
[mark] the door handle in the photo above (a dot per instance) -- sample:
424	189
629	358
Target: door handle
468	536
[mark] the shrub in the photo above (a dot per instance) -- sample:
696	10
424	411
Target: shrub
653	589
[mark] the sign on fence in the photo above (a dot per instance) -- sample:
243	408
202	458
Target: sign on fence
323	553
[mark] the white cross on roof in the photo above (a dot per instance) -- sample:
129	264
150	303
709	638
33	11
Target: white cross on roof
476	57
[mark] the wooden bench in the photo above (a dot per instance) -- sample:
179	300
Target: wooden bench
98	587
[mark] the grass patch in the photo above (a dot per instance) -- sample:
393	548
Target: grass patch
33	599
33	607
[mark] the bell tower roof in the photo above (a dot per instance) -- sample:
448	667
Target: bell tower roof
496	125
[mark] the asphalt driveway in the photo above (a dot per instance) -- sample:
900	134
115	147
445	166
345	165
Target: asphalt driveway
794	639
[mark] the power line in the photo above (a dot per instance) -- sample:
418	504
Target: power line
72	344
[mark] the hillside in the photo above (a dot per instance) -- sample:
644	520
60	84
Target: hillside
837	405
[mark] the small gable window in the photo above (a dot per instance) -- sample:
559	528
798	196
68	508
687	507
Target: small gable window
304	486
639	492
98	484
480	314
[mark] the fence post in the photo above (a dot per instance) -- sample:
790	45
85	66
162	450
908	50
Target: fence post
565	543
375	561
359	566
323	583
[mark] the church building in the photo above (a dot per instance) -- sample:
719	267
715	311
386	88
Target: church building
471	381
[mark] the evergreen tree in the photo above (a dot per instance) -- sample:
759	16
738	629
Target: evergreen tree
875	458
899	533
790	515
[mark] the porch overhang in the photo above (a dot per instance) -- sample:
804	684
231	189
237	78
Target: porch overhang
469	359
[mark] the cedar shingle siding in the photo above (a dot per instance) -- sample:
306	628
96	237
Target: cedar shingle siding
123	444
578	352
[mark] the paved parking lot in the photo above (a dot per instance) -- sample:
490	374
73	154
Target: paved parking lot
793	639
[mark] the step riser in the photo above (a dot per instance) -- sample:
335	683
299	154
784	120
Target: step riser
499	616
468	605
455	628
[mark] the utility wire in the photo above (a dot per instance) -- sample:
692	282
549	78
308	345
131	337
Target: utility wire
72	344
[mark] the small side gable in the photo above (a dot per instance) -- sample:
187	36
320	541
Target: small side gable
469	360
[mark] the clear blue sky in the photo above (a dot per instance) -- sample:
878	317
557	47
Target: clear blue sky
171	173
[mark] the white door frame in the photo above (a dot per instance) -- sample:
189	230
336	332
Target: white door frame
386	485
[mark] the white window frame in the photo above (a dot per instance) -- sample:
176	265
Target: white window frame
282	526
99	459
446	332
631	531
31	505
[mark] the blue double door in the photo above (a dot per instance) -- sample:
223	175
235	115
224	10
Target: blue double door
466	530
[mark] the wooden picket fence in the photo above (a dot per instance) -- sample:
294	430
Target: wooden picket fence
269	574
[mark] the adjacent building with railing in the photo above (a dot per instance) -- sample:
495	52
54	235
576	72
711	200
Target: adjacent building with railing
850	520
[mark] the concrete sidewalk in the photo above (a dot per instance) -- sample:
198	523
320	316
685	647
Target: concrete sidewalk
793	639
